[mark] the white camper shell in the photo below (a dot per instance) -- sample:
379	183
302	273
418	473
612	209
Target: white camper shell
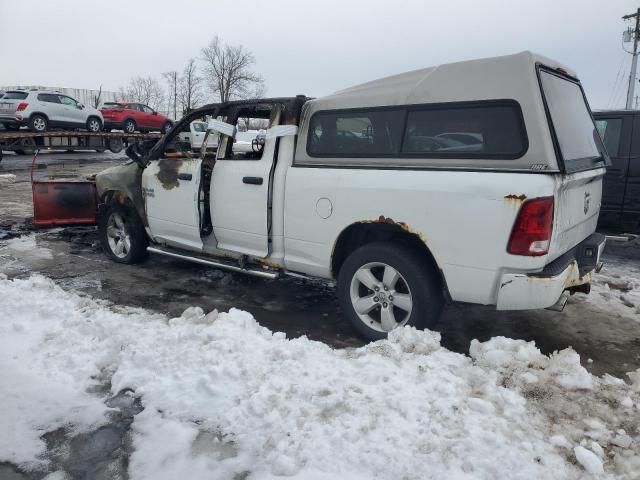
476	181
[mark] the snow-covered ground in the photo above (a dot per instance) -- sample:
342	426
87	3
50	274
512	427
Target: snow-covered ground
224	396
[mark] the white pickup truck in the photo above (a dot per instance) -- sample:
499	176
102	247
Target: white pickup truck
476	182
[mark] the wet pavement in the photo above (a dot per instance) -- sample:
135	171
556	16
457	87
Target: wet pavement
606	341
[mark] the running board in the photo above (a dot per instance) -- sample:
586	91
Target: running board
213	263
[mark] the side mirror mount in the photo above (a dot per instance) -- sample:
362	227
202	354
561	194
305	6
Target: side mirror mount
154	113
80	106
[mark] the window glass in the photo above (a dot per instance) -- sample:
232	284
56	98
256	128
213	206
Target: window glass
368	133
199	126
133	106
248	143
15	95
572	122
146	109
48	97
491	130
67	101
610	130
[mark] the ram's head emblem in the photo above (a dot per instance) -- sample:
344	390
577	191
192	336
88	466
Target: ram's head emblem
587	201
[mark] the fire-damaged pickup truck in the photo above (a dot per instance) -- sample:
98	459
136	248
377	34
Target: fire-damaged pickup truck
476	182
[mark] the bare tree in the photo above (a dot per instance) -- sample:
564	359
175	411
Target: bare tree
190	87
145	90
172	81
228	71
97	98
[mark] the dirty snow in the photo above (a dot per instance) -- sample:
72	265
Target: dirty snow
617	289
224	396
6	178
26	244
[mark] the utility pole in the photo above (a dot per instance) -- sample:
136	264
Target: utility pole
634	61
175	88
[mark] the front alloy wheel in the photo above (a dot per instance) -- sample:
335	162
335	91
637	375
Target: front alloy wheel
118	235
381	297
122	234
93	125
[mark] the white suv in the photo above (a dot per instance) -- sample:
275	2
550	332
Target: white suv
41	110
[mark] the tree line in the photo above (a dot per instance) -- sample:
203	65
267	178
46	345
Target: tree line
223	72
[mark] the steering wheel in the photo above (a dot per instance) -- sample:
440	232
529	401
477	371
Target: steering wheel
257	145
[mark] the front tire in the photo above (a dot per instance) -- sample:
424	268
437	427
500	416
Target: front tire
383	286
38	123
94	125
122	234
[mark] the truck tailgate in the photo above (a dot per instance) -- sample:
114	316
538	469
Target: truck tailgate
577	205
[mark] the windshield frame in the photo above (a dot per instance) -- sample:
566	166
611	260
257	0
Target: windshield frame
578	164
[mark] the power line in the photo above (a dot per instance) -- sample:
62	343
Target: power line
615	83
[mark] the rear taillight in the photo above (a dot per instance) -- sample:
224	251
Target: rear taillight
22	106
531	232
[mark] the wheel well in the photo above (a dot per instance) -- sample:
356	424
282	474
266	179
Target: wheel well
39	113
94	116
116	196
127	119
359	234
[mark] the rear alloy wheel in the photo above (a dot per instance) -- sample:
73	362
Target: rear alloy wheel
122	234
130	126
166	128
383	286
38	123
94	125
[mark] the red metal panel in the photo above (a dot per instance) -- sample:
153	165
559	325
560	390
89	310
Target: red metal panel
63	203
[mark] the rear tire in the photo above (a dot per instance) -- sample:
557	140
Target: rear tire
38	123
391	286
129	126
122	234
116	144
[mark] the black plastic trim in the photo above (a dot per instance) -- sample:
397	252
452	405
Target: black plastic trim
578	254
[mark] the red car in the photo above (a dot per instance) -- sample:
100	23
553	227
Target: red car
132	117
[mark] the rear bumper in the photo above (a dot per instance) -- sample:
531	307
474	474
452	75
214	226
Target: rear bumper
12	120
526	291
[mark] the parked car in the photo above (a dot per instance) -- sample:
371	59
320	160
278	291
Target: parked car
132	117
42	110
400	223
620	131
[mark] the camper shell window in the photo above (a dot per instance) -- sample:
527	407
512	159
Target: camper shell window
484	130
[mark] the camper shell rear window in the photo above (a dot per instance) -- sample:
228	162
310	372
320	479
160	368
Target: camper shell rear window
576	137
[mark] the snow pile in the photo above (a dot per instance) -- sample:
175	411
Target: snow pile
6	178
26	245
224	396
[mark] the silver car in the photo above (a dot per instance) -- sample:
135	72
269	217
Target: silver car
41	110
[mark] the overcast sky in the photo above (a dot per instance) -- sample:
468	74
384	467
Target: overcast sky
312	47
